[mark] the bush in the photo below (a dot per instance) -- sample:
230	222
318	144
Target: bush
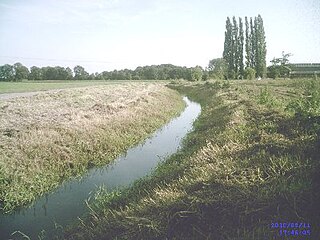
249	73
273	71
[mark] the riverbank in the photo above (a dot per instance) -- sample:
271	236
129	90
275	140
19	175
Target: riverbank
252	160
52	136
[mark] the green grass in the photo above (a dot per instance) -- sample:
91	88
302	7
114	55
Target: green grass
247	163
31	86
47	138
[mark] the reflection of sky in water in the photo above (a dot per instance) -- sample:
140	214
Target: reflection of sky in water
67	202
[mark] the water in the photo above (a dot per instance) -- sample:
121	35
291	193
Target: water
66	203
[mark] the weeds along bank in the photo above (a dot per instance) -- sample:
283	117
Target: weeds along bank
252	160
49	137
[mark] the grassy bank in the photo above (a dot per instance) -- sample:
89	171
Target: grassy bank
252	160
49	137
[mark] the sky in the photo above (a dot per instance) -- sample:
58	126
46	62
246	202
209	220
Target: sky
116	34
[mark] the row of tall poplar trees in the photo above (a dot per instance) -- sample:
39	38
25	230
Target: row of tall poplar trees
253	43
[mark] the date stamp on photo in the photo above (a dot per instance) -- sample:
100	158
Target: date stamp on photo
284	229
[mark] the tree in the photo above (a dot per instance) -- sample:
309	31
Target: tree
284	60
240	50
21	72
235	48
150	73
69	73
228	48
196	73
80	73
248	44
50	73
280	66
273	71
217	68
35	73
261	49
7	73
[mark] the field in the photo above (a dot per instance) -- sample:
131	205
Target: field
31	86
252	160
51	136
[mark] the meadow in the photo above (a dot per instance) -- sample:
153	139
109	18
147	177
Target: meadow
31	86
51	136
252	160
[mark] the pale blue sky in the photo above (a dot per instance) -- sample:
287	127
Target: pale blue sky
115	34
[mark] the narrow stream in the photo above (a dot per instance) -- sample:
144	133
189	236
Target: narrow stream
66	203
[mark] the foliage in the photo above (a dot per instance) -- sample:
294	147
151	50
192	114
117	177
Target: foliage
7	72
153	72
240	50
280	66
35	73
255	47
196	73
284	60
261	49
249	73
248	44
80	73
217	68
21	72
228	54
273	71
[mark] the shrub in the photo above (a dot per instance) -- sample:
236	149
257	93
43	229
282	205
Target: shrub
249	73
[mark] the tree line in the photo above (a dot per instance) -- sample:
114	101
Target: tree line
244	57
18	72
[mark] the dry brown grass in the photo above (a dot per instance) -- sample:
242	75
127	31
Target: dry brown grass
49	137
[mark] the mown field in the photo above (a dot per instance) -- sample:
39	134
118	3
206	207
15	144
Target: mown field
30	86
51	136
252	160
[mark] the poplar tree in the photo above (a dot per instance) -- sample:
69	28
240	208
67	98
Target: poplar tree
248	43
240	49
255	47
261	49
252	45
227	52
235	52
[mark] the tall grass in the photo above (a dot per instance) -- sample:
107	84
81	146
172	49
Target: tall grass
308	104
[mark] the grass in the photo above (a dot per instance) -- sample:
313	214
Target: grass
50	137
31	86
250	161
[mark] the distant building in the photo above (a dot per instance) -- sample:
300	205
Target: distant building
304	69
